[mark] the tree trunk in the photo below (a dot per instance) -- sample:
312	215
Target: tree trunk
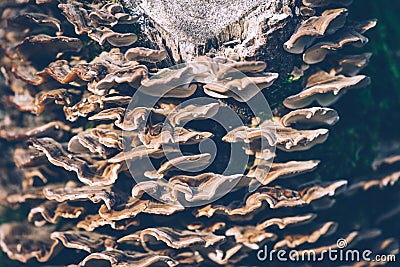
236	29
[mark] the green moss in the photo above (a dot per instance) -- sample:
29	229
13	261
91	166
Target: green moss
368	116
291	79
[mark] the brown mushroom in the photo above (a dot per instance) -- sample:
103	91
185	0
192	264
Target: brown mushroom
49	46
92	193
119	258
316	27
293	241
102	174
266	172
106	138
326	89
189	162
23	242
135	206
145	54
314	116
51	212
171	238
89	242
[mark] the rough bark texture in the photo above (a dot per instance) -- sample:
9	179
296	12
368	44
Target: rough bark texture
237	29
241	30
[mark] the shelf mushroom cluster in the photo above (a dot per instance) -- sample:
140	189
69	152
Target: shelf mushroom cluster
63	114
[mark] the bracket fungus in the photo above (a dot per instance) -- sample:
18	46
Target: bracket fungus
325	89
311	117
316	27
75	151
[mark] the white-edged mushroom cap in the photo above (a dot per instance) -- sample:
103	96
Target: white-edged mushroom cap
325	89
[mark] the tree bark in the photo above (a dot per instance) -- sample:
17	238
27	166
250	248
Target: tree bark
237	29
